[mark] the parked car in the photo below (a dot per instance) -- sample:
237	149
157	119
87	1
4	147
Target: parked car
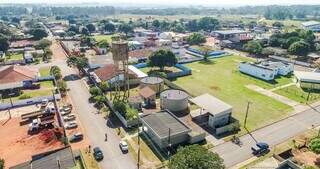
76	137
63	113
260	149
67	108
69	117
124	146
97	153
44	102
71	124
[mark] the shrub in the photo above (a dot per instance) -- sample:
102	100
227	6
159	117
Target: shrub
314	145
95	91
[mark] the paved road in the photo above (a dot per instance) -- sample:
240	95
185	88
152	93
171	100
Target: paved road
273	135
94	125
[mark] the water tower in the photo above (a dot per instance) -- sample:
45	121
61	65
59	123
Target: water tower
120	57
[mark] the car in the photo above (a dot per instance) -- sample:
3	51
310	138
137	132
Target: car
63	113
76	137
97	153
260	149
71	124
44	102
67	108
69	117
123	146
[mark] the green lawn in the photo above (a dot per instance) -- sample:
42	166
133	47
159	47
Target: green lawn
297	94
16	56
99	38
222	79
44	71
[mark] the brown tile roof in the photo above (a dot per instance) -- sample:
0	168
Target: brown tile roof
12	74
147	92
142	53
21	44
109	71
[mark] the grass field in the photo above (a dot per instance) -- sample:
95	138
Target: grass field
222	79
99	38
16	56
297	94
44	71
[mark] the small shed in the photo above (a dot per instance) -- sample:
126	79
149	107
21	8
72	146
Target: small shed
219	112
148	95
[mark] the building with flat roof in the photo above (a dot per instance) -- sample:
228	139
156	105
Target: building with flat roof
307	80
311	25
230	38
266	70
218	111
164	128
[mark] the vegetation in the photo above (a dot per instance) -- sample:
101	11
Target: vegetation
125	110
195	156
78	62
4	43
1	163
300	48
253	47
42	44
162	58
56	72
314	145
298	94
196	39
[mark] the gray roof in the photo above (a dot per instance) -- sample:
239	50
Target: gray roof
311	77
229	32
152	80
310	23
173	94
58	159
212	104
11	85
161	122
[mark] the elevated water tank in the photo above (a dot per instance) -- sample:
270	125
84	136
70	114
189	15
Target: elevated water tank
155	83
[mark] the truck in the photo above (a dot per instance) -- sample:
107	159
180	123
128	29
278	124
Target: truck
260	149
38	124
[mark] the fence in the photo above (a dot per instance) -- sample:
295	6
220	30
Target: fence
184	72
290	61
26	102
12	62
45	78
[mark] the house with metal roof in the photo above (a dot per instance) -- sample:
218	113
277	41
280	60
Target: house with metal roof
165	129
230	38
266	70
311	25
307	80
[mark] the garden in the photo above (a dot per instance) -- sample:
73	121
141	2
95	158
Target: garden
221	78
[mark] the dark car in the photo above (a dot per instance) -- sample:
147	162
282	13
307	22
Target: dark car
76	137
260	149
97	153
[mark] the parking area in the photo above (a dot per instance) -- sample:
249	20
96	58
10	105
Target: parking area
20	143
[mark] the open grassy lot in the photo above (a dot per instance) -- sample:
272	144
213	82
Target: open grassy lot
44	71
15	56
99	38
297	94
222	79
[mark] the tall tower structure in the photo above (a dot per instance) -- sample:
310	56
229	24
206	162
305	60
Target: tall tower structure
120	56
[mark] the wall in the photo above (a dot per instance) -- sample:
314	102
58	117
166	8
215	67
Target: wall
220	119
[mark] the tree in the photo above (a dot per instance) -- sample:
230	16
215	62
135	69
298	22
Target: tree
156	24
300	48
163	58
62	85
84	31
47	54
100	99
78	62
104	86
1	163
15	20
91	28
253	47
95	91
43	43
314	145
192	25
278	24
197	157
4	43
208	24
73	28
38	33
109	27
103	43
290	41
125	28
196	39
56	72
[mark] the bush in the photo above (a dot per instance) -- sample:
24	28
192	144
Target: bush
95	91
314	145
1	163
24	96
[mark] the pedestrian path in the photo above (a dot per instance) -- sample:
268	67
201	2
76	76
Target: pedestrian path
281	87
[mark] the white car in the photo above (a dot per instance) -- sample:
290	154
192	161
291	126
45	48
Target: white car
63	113
69	117
71	124
123	146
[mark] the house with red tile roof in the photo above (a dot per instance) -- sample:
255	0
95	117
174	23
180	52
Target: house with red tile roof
111	74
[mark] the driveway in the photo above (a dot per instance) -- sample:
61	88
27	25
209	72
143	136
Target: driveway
273	134
94	125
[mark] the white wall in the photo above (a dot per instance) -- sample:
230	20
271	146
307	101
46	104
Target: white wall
258	72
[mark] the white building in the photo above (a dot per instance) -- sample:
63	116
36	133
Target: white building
266	70
312	25
307	80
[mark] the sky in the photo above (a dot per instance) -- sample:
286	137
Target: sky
173	2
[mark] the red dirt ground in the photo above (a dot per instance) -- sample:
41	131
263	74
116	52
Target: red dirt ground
19	145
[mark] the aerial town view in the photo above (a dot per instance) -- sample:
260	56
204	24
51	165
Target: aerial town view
137	84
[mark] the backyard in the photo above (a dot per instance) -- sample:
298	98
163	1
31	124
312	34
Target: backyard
221	78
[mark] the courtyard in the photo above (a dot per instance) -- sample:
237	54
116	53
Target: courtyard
221	78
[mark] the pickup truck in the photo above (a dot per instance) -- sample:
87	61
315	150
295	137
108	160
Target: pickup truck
260	149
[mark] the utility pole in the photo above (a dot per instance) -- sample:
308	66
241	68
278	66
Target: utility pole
169	143
245	119
138	149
